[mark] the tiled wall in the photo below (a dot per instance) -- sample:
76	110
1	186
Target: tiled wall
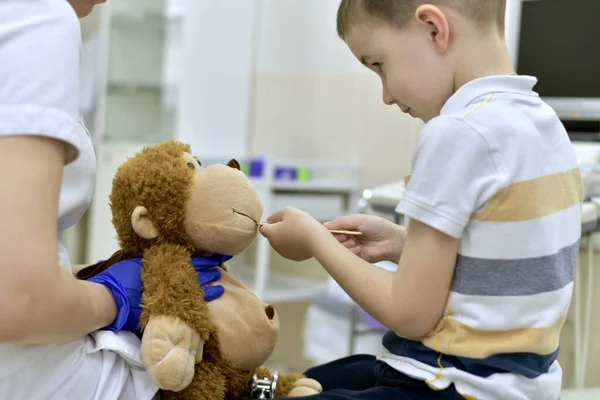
309	97
313	99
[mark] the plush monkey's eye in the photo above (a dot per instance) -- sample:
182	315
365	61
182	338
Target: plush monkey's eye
199	163
191	165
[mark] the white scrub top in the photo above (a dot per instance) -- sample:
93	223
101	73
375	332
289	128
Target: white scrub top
40	47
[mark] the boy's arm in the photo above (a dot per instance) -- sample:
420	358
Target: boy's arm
410	301
455	171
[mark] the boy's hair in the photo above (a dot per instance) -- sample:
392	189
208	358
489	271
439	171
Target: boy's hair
399	13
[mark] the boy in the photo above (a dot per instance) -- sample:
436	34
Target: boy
485	277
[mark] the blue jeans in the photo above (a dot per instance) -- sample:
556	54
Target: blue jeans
362	377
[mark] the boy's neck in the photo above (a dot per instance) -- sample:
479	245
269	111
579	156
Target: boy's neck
482	57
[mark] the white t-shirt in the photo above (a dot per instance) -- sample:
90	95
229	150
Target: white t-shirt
40	47
497	171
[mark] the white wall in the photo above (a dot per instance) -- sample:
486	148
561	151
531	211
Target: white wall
218	64
313	99
299	36
513	26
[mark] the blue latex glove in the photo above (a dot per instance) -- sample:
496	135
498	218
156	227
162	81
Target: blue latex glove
124	280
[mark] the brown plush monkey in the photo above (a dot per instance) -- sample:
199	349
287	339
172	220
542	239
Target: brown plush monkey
166	207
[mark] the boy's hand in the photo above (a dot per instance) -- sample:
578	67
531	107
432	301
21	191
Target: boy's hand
293	233
381	240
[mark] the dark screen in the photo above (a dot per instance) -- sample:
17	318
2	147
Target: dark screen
560	45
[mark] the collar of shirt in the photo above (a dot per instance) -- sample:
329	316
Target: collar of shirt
466	94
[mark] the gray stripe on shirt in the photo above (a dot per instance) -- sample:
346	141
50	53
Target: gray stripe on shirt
520	277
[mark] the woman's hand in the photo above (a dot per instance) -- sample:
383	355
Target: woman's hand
124	280
381	240
293	233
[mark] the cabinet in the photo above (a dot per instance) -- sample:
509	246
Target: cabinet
135	89
151	46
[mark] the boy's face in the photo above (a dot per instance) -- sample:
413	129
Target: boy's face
413	72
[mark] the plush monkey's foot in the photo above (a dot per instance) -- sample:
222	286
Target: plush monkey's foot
305	387
170	350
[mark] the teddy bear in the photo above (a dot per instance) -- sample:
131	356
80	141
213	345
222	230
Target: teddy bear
166	207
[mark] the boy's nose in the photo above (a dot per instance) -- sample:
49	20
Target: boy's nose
387	97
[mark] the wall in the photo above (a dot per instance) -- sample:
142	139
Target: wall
215	99
513	25
313	99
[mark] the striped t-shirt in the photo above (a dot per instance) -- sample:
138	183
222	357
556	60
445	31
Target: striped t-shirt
496	170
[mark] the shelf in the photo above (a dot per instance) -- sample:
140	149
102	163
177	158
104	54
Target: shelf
309	186
328	186
117	87
139	20
281	286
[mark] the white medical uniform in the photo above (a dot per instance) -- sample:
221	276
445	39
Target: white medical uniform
40	46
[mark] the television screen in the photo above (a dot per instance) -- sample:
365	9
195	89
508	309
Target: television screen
559	44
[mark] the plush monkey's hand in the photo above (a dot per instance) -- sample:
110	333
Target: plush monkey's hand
292	384
170	350
305	387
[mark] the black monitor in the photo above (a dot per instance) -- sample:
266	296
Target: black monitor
559	43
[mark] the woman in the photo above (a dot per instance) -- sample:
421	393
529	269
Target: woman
52	341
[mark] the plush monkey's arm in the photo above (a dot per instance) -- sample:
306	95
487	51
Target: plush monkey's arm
171	288
174	317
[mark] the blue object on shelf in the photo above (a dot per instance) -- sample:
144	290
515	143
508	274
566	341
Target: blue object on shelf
256	167
286	173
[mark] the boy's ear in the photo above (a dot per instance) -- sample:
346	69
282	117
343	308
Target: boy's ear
437	25
142	224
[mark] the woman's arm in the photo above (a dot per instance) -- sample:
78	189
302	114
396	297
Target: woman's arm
41	302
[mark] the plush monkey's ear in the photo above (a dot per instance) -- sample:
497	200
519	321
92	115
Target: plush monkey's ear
142	223
233	164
